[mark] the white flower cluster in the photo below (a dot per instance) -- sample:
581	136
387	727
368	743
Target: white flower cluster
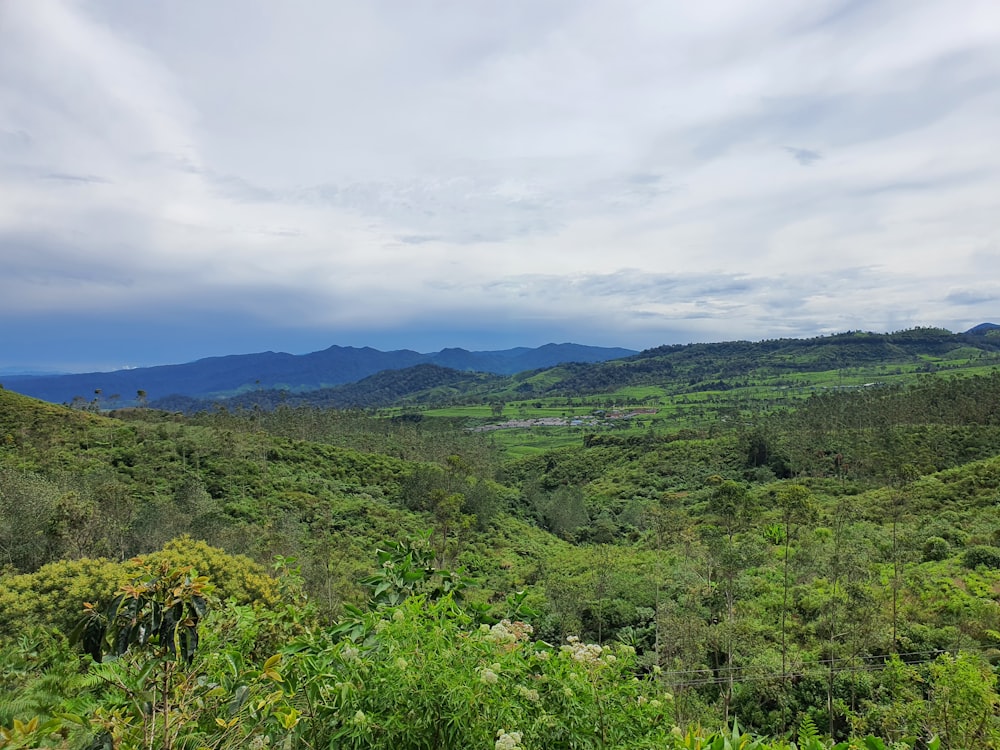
488	675
350	653
506	631
586	653
507	740
529	693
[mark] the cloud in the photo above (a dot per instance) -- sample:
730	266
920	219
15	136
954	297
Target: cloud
597	169
804	156
987	295
84	178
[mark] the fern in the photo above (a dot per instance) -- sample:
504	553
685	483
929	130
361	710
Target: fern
16	707
809	738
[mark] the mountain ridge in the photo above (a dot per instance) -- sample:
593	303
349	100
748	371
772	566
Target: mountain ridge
344	376
681	368
227	375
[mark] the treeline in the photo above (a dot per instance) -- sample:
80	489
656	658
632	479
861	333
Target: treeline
688	368
419	384
684	365
881	433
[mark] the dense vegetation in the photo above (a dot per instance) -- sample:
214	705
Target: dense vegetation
787	367
215	377
826	567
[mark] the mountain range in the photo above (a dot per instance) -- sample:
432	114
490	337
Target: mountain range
220	377
348	377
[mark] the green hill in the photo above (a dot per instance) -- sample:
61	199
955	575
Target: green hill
832	563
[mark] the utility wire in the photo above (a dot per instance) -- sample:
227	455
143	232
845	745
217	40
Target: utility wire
721	676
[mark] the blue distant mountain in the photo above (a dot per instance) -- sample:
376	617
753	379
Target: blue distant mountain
229	375
983	329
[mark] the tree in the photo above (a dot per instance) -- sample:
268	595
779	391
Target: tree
155	618
732	504
900	477
795	505
448	519
963	703
565	511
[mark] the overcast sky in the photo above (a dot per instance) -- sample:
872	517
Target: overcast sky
188	178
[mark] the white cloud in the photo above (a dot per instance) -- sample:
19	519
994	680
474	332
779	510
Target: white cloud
375	164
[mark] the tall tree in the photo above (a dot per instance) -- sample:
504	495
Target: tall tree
732	504
795	505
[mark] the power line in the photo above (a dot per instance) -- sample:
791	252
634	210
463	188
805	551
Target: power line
721	675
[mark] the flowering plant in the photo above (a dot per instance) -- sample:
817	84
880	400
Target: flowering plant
426	676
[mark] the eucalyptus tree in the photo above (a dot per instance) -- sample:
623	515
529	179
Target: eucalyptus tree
794	502
732	505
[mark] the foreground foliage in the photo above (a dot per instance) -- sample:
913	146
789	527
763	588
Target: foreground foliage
422	673
834	567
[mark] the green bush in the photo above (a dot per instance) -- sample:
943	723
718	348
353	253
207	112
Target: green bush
982	555
421	675
963	702
54	595
936	548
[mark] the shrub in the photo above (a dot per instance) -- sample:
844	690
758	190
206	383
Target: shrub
421	675
963	702
54	595
982	554
936	548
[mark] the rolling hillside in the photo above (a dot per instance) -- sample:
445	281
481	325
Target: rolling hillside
833	564
227	376
677	370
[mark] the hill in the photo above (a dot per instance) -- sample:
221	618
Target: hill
677	369
215	377
835	562
983	329
708	365
424	383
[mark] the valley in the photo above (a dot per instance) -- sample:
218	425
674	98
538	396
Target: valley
801	537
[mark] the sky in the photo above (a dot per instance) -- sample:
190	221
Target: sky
202	177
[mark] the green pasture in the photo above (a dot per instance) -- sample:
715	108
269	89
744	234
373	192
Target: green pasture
517	443
679	407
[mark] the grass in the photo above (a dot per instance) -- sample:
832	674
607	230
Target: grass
693	409
679	407
512	410
523	442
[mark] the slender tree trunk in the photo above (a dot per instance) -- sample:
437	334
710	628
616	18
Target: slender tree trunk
729	654
784	644
895	580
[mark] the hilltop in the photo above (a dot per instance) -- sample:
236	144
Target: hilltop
345	377
674	369
216	377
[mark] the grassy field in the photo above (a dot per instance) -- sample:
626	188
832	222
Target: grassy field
528	442
512	410
678	408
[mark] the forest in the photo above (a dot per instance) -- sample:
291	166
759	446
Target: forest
744	568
